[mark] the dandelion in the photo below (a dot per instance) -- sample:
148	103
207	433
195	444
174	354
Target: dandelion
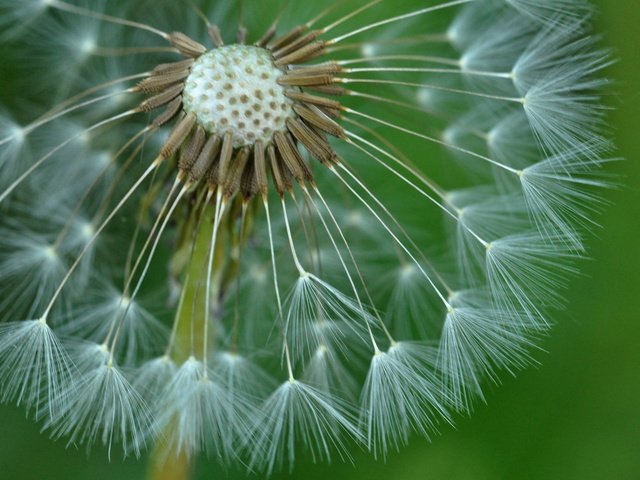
275	230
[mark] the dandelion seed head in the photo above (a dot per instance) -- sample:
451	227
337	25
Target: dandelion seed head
332	231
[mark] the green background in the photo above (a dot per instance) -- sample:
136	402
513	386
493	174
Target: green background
576	416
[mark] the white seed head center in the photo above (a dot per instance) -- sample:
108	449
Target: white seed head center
235	89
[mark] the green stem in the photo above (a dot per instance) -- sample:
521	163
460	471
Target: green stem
189	335
163	464
163	467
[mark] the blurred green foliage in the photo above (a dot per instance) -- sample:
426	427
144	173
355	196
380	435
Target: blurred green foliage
576	416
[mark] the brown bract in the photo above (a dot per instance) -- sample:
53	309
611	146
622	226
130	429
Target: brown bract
212	159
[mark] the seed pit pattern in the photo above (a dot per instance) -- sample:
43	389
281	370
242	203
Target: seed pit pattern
215	102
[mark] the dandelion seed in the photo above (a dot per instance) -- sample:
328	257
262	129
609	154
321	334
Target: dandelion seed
296	411
206	417
152	379
33	270
396	400
550	9
141	332
561	192
242	377
319	314
525	276
35	368
101	405
15	17
474	343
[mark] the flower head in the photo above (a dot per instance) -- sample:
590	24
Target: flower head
294	232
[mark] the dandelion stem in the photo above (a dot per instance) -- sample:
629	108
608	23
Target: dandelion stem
236	304
181	341
174	467
189	335
192	242
220	208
